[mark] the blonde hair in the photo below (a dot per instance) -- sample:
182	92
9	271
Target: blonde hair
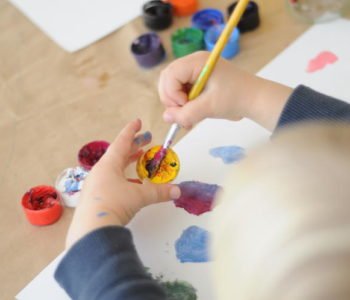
281	229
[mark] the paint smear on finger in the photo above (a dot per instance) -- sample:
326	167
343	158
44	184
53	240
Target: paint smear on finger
228	154
323	59
197	197
192	246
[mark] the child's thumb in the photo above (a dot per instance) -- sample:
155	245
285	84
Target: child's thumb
189	114
160	192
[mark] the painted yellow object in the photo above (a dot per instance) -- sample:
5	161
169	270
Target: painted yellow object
168	170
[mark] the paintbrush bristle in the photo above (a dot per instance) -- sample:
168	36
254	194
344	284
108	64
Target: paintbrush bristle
153	165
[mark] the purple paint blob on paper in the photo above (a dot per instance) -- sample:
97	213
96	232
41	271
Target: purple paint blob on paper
196	197
228	154
192	246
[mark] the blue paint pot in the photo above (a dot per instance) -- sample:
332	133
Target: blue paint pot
206	18
213	34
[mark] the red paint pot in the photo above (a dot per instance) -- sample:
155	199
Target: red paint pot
91	153
42	205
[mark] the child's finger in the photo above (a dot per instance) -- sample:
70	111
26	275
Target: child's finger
135	156
188	115
154	193
141	140
179	73
119	151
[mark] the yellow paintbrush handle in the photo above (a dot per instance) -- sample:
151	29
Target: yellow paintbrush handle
220	45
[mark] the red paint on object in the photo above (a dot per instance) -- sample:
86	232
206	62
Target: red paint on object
134	180
42	205
320	61
91	153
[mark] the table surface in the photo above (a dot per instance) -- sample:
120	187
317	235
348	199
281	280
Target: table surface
52	102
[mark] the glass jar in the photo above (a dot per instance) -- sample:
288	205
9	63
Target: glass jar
316	11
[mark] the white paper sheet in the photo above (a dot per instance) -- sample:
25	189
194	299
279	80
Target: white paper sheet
156	228
289	66
75	24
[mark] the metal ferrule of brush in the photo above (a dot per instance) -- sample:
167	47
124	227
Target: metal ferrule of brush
171	135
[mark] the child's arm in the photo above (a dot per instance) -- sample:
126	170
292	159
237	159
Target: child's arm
102	262
234	94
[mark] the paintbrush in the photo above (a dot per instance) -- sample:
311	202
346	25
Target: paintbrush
153	165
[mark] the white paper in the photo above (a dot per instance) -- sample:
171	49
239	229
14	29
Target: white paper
156	228
75	24
289	67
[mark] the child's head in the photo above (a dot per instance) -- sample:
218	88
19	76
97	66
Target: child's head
282	225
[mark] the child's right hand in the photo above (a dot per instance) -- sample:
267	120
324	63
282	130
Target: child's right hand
226	95
230	94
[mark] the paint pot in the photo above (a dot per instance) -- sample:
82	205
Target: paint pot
42	205
185	41
232	47
91	153
69	183
250	19
168	170
184	7
157	15
206	18
148	50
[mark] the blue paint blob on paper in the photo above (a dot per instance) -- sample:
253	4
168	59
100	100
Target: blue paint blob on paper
228	154
192	246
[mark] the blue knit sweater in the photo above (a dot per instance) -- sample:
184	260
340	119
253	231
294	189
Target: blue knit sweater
104	264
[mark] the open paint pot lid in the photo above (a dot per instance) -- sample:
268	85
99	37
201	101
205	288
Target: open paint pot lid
148	50
186	41
250	18
184	7
69	183
206	18
232	46
157	14
91	153
42	205
168	169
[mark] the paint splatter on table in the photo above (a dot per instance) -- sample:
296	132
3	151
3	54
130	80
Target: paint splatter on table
228	154
192	246
197	197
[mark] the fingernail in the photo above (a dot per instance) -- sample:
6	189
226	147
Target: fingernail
168	118
175	193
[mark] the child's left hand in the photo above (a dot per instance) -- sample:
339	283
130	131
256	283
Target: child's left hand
108	198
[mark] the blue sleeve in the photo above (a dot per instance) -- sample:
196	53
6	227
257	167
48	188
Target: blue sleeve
104	265
305	104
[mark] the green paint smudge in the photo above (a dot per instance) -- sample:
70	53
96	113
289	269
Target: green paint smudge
179	290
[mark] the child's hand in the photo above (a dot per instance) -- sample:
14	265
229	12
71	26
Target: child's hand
108	198
223	96
230	94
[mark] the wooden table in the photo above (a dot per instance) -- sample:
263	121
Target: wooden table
52	102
